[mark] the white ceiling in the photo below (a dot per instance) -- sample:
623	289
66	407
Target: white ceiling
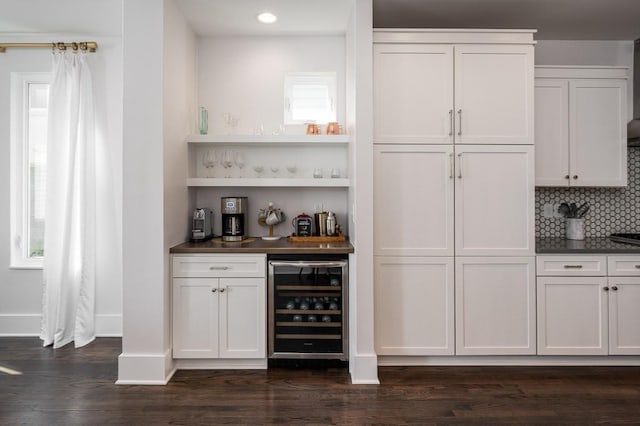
233	17
554	19
82	17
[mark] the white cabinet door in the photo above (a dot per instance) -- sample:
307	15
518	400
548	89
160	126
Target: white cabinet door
624	316
413	93
597	129
495	306
414	306
572	316
242	318
413	200
552	132
494	199
494	94
195	317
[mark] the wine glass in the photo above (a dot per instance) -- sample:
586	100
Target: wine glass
292	169
258	169
275	170
239	160
227	161
209	160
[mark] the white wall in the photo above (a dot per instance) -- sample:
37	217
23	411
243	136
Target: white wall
244	76
179	112
589	52
363	364
159	99
21	290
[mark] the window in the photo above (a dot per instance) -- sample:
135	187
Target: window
29	107
310	97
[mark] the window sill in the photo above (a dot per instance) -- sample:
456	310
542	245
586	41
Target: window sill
38	265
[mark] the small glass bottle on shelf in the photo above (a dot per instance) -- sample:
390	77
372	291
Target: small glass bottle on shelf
203	120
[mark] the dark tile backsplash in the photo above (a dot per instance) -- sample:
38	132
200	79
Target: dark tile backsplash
612	209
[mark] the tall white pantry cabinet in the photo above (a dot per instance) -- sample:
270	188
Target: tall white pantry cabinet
454	192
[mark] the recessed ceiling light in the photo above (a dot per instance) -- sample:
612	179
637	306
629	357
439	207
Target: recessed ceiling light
267	18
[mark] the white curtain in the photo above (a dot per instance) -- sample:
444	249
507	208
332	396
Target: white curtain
69	240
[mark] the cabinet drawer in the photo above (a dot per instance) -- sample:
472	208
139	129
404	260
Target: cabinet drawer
594	266
239	266
624	265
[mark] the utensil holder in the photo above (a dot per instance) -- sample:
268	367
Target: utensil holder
574	228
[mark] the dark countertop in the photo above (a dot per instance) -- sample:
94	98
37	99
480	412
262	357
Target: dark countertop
601	245
258	245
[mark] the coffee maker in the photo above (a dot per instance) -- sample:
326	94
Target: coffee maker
202	228
233	211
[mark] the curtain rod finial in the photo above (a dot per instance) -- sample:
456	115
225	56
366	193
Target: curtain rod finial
3	49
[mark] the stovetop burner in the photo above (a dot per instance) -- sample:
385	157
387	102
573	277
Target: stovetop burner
626	238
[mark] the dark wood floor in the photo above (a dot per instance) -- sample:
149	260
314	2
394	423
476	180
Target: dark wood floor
68	386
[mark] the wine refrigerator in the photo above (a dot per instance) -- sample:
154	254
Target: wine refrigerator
307	304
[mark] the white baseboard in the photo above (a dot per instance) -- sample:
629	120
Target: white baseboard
18	325
221	364
145	369
364	369
515	360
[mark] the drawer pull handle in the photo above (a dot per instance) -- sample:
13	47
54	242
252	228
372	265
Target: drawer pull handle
218	268
572	266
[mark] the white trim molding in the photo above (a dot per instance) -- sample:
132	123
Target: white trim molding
145	369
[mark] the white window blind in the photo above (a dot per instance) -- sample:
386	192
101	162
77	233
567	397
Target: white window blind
310	97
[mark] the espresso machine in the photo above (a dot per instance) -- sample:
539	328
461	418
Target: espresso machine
202	228
233	210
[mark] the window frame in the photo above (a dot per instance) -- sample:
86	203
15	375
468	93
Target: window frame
19	169
330	78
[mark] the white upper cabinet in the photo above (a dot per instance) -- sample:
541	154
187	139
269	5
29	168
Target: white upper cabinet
413	200
581	126
493	94
426	91
412	93
494	201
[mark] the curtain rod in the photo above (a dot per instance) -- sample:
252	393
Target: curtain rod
91	46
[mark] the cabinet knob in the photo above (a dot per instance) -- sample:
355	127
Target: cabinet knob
567	176
213	290
222	290
606	289
575	176
614	288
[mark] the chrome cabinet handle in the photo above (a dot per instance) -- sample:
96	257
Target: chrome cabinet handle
459	122
451	167
218	268
460	166
213	290
450	122
572	266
